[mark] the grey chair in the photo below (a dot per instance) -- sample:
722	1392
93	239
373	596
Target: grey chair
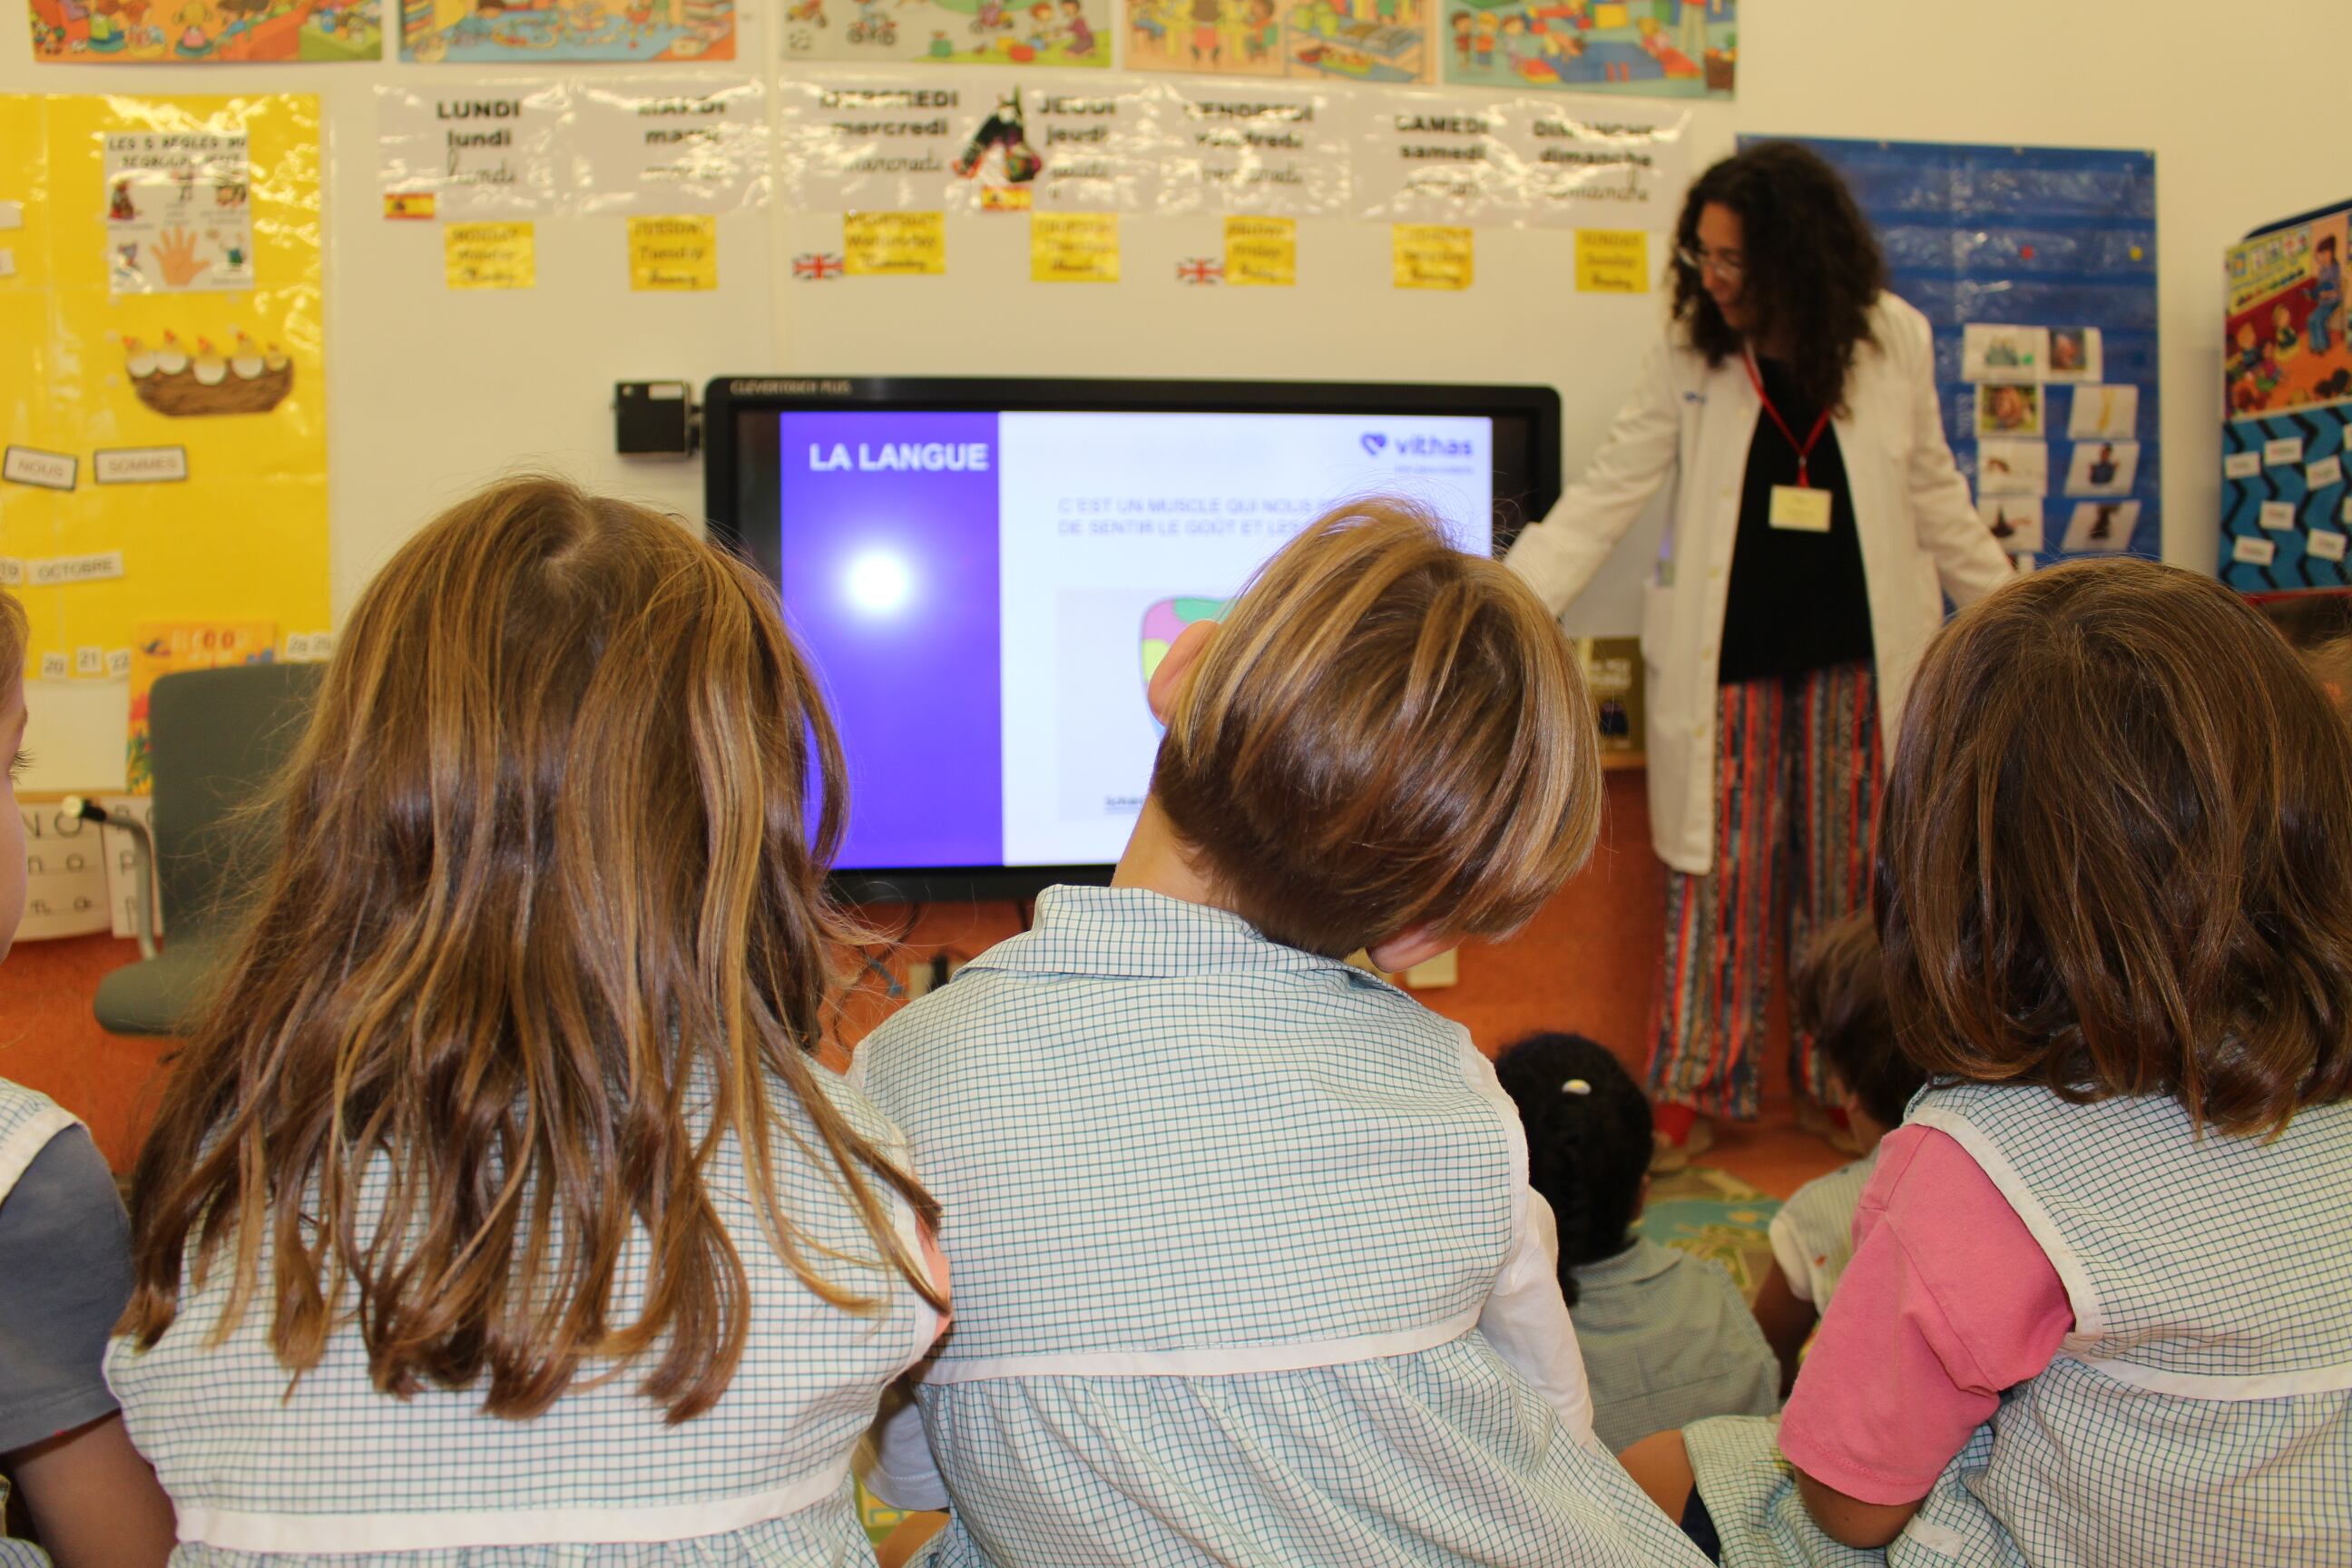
216	738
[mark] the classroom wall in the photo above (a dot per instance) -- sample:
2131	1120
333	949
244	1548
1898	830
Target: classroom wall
431	393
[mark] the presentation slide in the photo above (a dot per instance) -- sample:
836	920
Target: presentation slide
985	596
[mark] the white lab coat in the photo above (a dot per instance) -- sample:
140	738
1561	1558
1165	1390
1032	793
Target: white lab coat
1688	423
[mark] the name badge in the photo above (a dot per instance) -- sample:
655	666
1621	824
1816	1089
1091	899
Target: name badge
1808	510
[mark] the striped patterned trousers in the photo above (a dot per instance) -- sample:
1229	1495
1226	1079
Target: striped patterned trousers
1796	793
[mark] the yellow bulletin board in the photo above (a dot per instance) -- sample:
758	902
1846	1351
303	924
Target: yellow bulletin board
162	386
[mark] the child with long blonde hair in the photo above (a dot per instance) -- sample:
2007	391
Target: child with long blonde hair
499	1202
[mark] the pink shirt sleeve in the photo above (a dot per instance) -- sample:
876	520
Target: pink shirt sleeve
1949	1301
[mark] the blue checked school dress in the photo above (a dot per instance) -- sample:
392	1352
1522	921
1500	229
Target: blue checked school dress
2199	1415
1812	1236
331	1470
1246	1267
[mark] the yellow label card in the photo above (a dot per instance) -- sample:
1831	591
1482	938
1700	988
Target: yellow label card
893	245
1262	251
1430	254
489	255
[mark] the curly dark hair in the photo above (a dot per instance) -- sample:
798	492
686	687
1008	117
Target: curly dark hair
1587	1153
1813	269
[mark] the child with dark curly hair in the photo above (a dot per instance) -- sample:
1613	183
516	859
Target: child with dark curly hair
1666	1337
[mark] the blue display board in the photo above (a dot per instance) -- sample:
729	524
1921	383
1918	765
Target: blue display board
2052	240
2286	399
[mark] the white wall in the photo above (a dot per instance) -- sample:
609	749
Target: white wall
429	393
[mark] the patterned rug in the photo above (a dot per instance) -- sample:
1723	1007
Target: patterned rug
1713	1214
1702	1210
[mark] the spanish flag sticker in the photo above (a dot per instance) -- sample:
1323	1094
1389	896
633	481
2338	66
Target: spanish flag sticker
416	204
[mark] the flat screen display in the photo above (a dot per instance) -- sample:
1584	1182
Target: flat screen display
985	591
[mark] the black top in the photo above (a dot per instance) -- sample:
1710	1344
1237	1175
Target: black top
1799	600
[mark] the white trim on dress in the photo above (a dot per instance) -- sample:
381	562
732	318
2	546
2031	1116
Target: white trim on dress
1214	1361
235	1530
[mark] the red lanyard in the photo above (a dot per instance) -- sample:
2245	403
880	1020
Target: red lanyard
1804	449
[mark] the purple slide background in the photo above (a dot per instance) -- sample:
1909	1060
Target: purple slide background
914	691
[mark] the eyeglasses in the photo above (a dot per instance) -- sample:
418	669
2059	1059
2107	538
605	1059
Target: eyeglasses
1726	265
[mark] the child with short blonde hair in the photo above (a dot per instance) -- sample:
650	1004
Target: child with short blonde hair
499	1206
1247	1267
2095	1312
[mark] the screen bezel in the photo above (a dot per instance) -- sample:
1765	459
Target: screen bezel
742	478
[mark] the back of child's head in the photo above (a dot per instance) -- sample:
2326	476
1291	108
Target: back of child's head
2116	848
1588	1129
15	633
551	882
1838	995
1385	733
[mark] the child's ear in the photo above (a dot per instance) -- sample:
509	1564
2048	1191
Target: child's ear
1414	945
1177	663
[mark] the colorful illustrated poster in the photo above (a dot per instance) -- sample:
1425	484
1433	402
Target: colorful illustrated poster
2286	372
179	442
949	32
179	212
540	32
2284	342
1348	40
1646	48
205	32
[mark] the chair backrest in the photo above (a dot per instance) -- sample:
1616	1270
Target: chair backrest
216	738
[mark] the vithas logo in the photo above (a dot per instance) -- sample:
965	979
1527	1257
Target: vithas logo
1374	443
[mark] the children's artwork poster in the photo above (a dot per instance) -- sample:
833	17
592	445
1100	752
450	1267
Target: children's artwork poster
205	32
179	212
1379	42
2286	369
978	141
1283	151
1643	48
634	32
189	421
1062	34
480	150
2036	268
670	144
